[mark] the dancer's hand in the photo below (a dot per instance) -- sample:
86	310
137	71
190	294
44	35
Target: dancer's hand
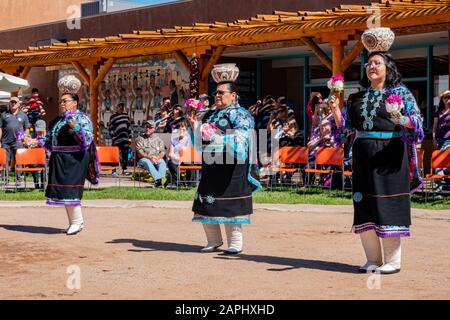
333	103
192	119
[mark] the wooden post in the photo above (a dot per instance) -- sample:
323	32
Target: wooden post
93	96
105	69
338	54
26	71
79	67
206	64
448	79
351	56
217	53
179	55
320	54
95	78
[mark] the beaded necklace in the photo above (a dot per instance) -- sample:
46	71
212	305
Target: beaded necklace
368	117
59	125
216	117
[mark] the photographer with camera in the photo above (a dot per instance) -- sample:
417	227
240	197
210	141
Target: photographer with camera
278	117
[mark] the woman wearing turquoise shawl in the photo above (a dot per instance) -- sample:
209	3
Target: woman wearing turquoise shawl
225	137
388	126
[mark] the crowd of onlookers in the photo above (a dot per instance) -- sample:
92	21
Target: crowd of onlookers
143	143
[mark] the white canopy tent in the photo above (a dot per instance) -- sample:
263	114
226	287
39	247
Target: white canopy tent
8	84
4	97
11	83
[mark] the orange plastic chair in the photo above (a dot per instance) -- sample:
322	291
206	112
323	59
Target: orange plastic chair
328	157
26	158
109	159
3	167
288	160
190	159
346	174
439	159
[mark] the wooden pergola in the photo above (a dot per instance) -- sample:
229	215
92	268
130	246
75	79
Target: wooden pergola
94	57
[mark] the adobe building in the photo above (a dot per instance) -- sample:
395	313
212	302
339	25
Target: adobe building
280	64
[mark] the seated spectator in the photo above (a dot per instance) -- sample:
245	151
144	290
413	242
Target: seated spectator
151	152
441	134
441	125
161	119
325	134
291	135
180	139
177	116
282	102
204	98
262	112
312	111
278	118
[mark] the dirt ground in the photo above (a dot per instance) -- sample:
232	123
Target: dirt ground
153	253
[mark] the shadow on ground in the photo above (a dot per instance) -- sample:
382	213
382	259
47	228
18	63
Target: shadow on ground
287	263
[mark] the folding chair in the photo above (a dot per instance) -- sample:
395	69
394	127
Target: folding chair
327	157
190	159
109	160
345	174
440	159
27	159
288	160
3	168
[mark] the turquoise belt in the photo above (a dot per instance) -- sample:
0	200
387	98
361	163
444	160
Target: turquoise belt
378	134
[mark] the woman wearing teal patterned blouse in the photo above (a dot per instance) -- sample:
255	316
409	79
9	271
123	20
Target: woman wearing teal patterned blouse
389	125
224	195
69	139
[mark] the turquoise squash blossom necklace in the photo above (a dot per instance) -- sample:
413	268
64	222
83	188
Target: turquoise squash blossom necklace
375	101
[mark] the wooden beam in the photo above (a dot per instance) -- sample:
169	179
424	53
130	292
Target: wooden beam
26	71
106	67
323	57
234	36
217	53
354	52
18	71
179	55
198	50
336	36
9	70
79	67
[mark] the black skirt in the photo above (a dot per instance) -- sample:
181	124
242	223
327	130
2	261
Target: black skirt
224	190
67	173
381	187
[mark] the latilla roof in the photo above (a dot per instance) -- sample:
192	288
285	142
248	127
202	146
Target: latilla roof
405	17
